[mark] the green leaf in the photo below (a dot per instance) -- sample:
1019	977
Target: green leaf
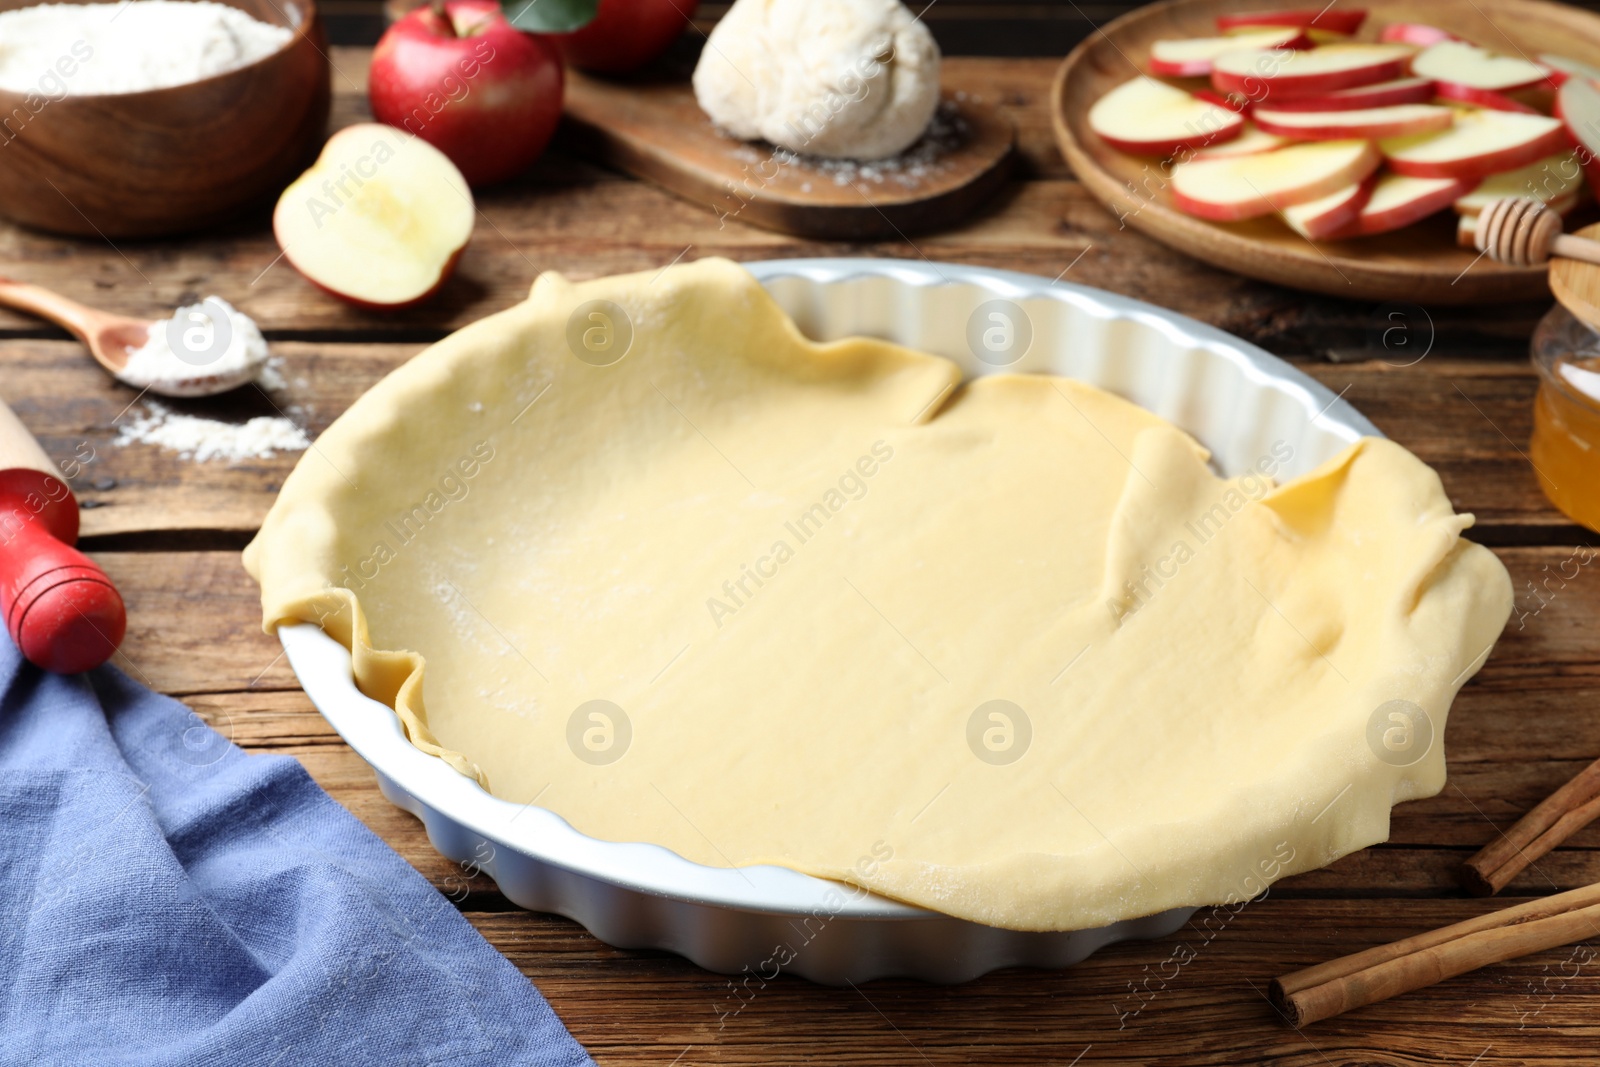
550	16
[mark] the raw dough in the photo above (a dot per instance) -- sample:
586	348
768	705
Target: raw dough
855	79
800	570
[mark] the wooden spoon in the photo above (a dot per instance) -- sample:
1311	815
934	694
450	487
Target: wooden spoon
112	339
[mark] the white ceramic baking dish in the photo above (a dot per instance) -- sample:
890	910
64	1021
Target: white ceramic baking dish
759	921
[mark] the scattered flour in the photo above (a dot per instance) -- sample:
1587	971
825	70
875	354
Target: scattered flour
271	378
202	439
218	342
56	49
929	155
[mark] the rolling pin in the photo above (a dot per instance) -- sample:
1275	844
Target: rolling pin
59	607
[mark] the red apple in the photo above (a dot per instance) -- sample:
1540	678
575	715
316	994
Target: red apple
625	34
1149	117
1245	187
1479	144
1553	178
1417	33
1398	200
379	220
1578	103
1562	68
469	83
1468	65
1450	92
1332	214
1344	21
1248	143
1379	94
1275	74
1232	103
1401	120
1191	57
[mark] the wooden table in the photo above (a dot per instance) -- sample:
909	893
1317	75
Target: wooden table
169	531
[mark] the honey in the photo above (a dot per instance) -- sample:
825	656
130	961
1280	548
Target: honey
1566	416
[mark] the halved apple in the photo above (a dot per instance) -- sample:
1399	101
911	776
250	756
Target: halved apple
1415	33
1149	117
379	220
1275	74
1244	187
1248	143
1562	68
1478	144
1398	200
1466	64
1578	104
1191	57
1345	21
1550	179
1379	94
1401	120
1331	214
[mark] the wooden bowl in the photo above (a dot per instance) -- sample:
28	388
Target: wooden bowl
168	160
1419	263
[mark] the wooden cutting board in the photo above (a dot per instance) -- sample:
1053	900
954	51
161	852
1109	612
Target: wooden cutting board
656	131
1419	263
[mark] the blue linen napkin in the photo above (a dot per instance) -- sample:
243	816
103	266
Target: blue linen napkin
166	899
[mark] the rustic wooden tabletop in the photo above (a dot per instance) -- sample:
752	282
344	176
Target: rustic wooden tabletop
1453	385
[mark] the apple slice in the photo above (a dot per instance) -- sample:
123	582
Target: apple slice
1480	143
1467	225
1401	120
1578	104
1331	214
1149	117
1248	143
1192	58
1562	68
379	220
1549	180
1229	101
1379	94
1398	200
1244	187
1468	65
1345	22
1415	33
1276	74
1456	93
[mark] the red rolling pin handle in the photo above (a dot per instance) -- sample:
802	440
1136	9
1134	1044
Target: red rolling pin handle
59	607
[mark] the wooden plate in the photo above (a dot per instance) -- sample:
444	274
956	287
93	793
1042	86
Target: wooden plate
656	131
1419	263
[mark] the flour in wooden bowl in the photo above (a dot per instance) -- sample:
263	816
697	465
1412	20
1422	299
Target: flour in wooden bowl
56	50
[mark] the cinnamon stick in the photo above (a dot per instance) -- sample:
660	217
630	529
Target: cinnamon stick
1355	981
1561	814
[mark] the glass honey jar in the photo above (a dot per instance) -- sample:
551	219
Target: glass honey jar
1566	415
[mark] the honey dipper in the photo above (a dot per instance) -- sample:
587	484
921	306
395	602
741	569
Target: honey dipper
1524	232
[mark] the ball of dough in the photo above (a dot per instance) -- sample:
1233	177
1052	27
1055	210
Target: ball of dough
852	79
